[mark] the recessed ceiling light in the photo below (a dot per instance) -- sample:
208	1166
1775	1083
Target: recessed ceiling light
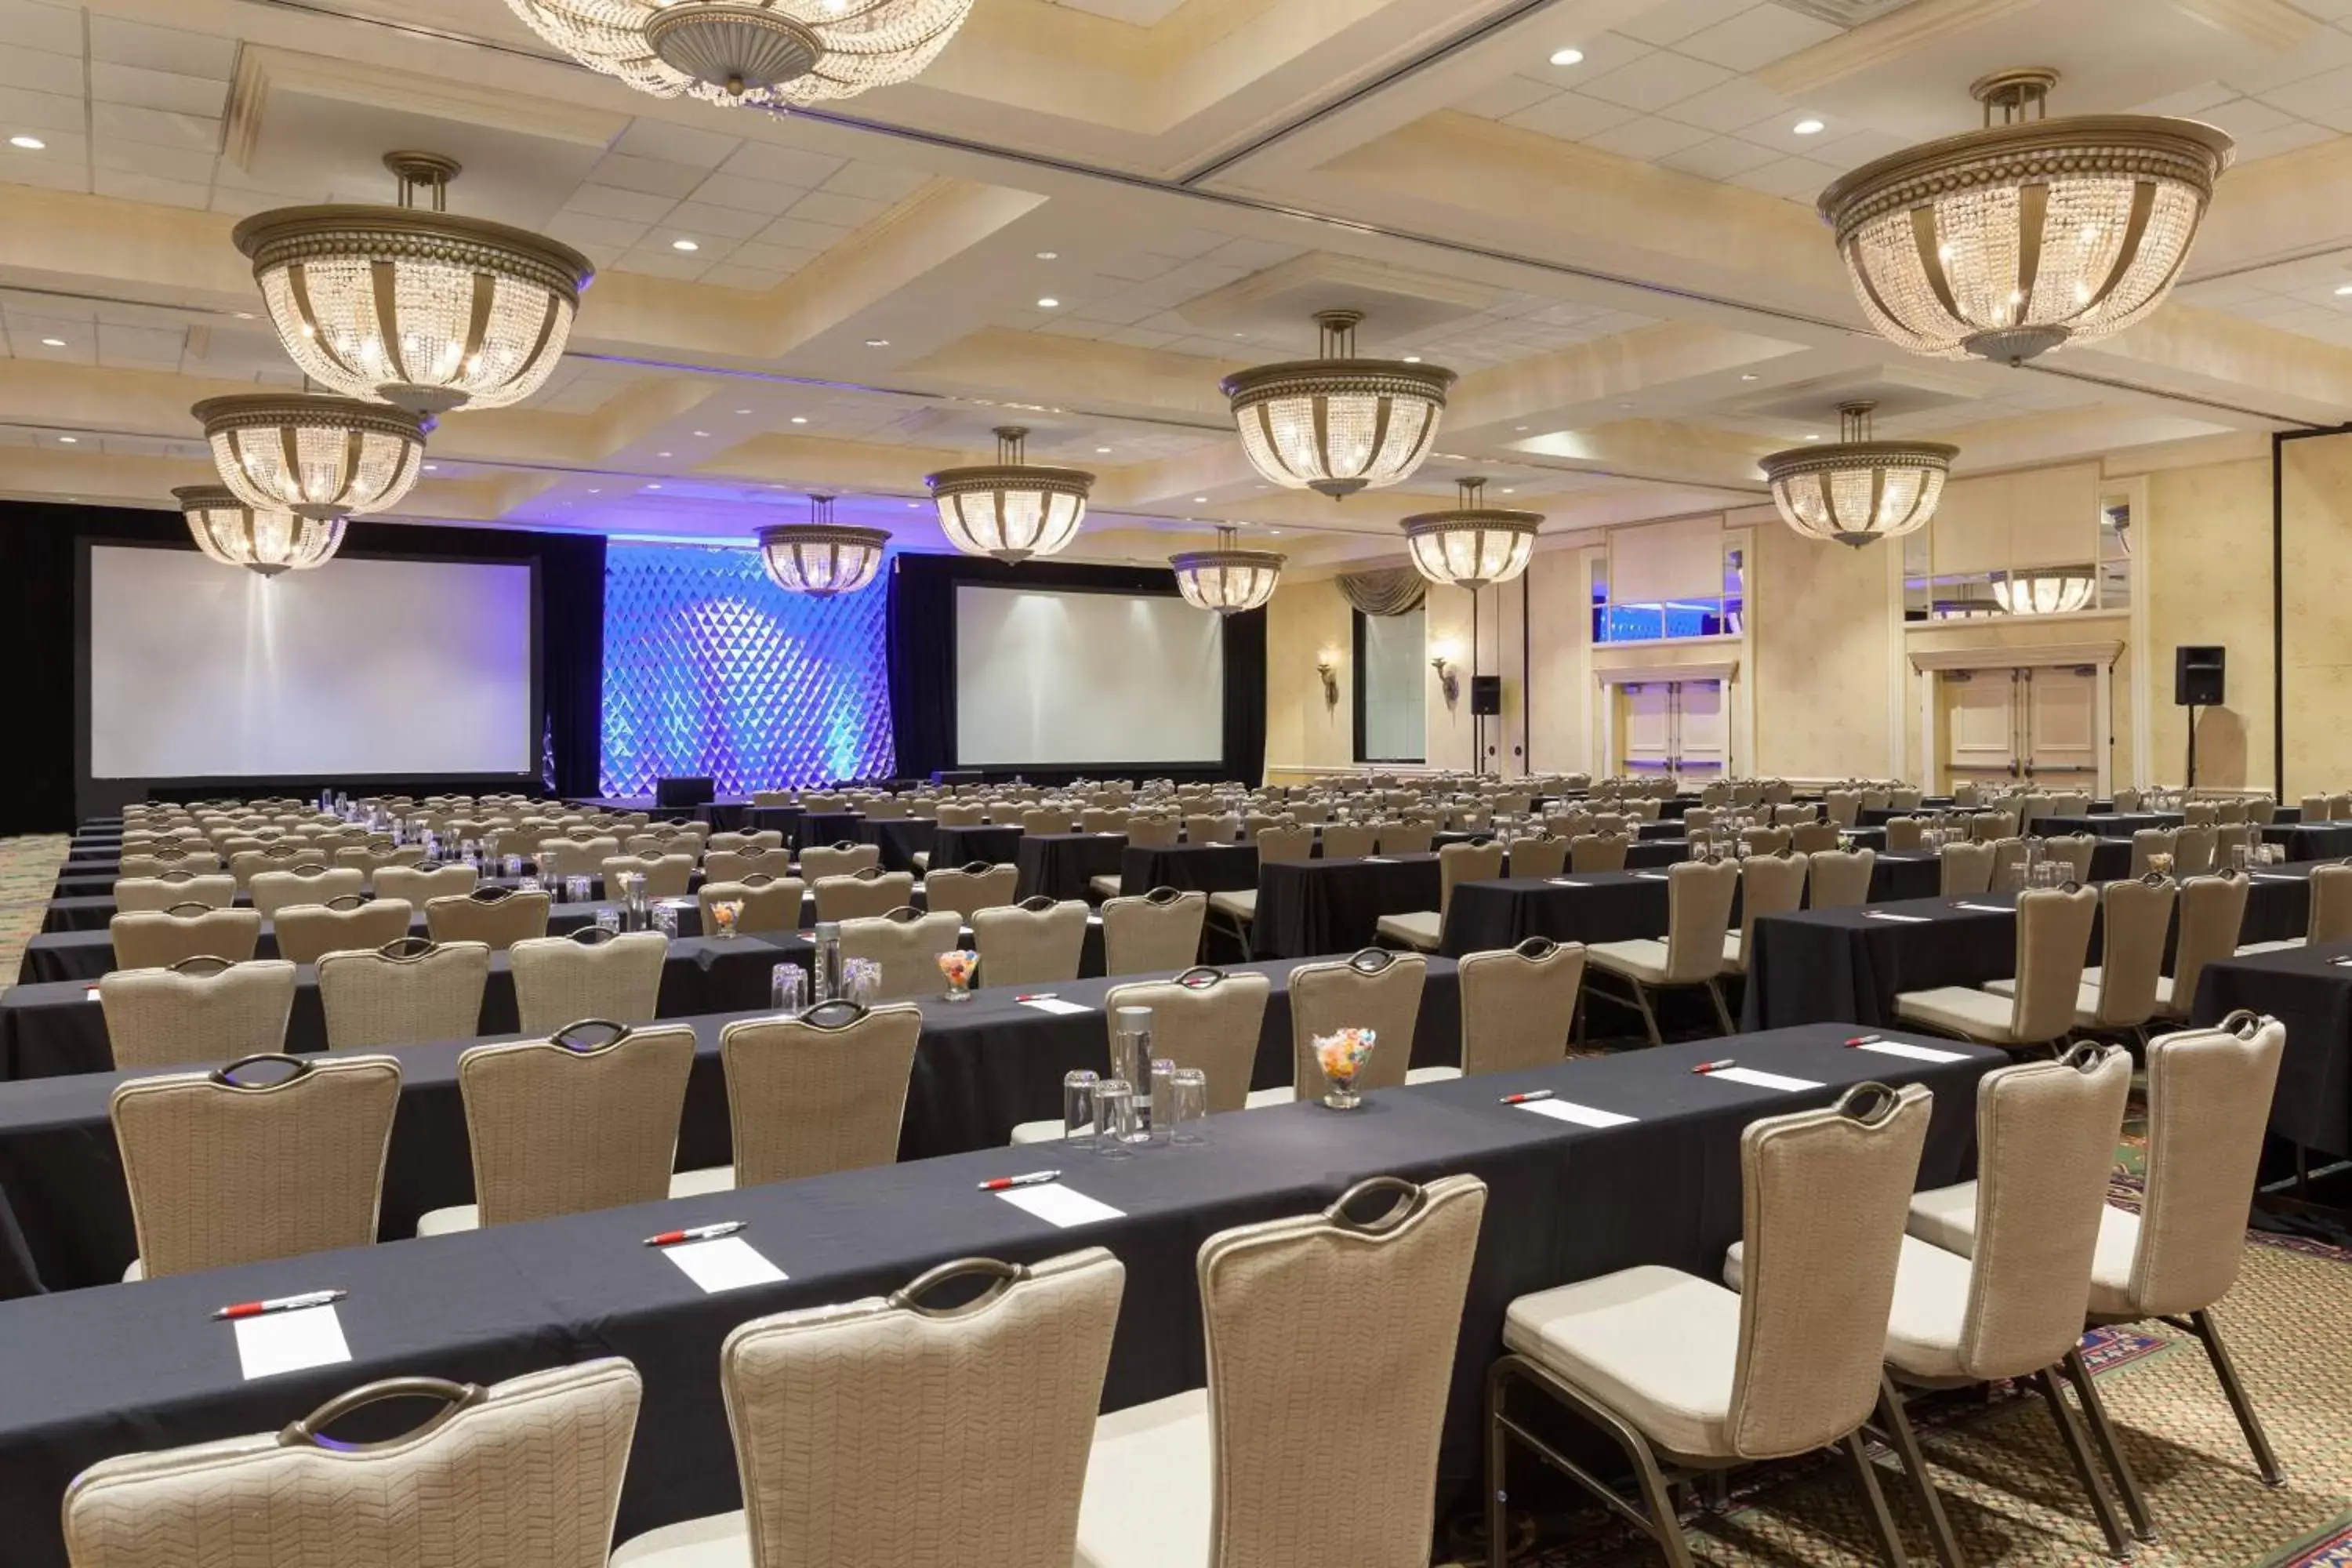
244	315
1049	303
1102	451
704	433
1049	256
593	490
2344	289
1273	531
1812	437
1748	375
1807	127
684	244
1200	501
432	467
69	440
653	487
800	418
1413	359
1509	492
1518	427
53	342
1567	57
742	411
661	453
29	143
877	342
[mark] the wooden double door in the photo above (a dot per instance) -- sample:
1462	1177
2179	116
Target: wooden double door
2038	726
1680	728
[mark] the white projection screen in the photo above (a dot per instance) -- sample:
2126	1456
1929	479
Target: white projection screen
1070	678
397	667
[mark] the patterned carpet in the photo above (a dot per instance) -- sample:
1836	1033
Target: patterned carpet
1998	1463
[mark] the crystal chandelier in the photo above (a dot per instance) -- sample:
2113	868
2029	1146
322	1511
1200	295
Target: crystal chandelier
264	541
425	309
1227	580
317	457
767	54
2006	242
1474	544
819	557
1008	509
2043	593
1337	424
1859	490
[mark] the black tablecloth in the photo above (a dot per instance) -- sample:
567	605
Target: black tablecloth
1847	965
2108	824
2320	841
55	1028
954	846
1333	906
982	1069
832	827
1210	867
724	815
1060	865
2306	989
783	819
100	1373
900	839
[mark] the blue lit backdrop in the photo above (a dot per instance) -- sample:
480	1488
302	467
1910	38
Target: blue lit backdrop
710	669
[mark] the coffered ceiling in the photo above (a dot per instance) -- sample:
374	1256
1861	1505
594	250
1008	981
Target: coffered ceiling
1599	211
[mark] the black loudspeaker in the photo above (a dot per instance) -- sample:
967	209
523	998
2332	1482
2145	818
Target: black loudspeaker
683	794
1486	696
2197	675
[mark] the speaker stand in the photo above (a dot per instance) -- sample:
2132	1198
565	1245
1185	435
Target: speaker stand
2193	745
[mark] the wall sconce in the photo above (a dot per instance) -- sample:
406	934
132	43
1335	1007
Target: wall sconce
1327	665
1448	681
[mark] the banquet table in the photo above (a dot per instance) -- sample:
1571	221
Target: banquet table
1847	965
1613	906
2308	989
2319	841
2108	824
900	839
1060	865
982	1069
54	1029
996	845
95	1374
1209	868
1333	906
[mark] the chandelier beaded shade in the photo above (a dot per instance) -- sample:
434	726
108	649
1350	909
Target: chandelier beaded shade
263	542
819	557
1474	544
2043	593
1858	490
765	54
2006	242
1010	510
1227	580
317	457
422	309
1337	424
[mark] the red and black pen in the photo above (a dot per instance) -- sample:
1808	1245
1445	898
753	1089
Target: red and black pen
278	1304
696	1233
1716	1066
1528	1097
1033	1179
1863	1040
1037	996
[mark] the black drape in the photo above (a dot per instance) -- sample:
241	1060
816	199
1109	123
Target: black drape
922	652
44	636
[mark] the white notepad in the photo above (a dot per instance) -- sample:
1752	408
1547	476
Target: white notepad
1653	876
1887	915
274	1342
1568	1111
1985	909
1915	1053
725	1263
2274	876
1059	1206
1377	860
1056	1004
1756	1080
1566	882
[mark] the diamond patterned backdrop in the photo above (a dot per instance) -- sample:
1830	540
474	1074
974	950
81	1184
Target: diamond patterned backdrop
710	669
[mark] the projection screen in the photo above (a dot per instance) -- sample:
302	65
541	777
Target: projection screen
198	670
1071	679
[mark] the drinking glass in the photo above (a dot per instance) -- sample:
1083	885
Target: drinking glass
1114	1118
608	919
665	920
514	865
2240	857
578	889
1163	1101
788	986
1188	1105
861	980
526	884
1078	1103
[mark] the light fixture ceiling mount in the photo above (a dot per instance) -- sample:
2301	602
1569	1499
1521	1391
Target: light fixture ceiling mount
1337	424
1856	490
1472	544
2009	241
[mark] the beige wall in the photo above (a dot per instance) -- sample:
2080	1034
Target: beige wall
1305	620
2210	582
2316	491
1820	618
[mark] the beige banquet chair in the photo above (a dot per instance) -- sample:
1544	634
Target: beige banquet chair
1590	854
667	876
420	885
157	939
524	1474
2148	842
2119	995
766	838
198	1010
842	859
1518	1005
2209	1097
734	865
496	917
584	1120
1213	1476
1157	930
404	993
274	890
1904	835
1405	837
862	895
1839	879
1037	942
157	861
1768	885
134	895
1206	1018
2212	912
907	944
1964	869
1688	1377
1235	909
968	889
307	932
770	903
589	973
2329	916
821	1093
1698	918
1374	989
2054	939
268	1156
1423	929
991	1401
